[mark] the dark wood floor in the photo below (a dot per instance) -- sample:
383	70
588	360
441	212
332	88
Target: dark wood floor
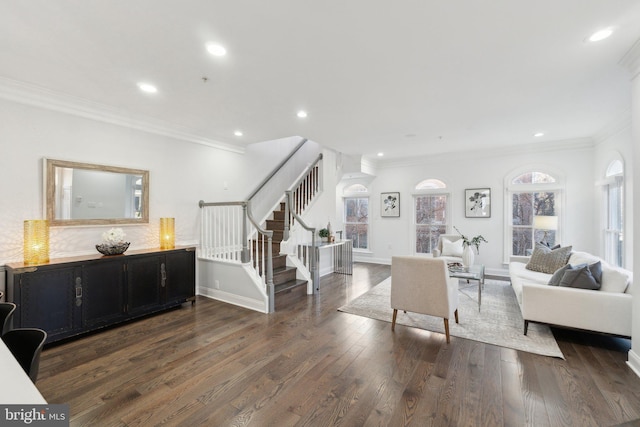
219	365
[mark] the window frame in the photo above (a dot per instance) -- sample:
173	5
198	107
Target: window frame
444	191
613	181
349	193
557	187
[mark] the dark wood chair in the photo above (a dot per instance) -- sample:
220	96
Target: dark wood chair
26	345
6	313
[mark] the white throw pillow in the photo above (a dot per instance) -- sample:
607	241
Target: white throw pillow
450	248
613	280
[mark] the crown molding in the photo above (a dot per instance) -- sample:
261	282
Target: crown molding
539	147
38	96
631	60
616	126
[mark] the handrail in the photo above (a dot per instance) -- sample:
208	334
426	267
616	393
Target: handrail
296	184
277	168
315	274
245	253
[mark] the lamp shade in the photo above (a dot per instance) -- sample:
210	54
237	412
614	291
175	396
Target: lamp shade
167	233
545	222
36	241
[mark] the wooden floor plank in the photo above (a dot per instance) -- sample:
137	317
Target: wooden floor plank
214	364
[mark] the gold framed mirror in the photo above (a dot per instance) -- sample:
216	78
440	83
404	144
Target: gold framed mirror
91	194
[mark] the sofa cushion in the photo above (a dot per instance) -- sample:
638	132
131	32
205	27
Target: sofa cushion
579	277
450	248
557	276
614	279
578	257
546	260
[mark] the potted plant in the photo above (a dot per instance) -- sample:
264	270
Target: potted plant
324	234
467	254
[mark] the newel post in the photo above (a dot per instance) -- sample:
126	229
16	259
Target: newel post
286	215
245	256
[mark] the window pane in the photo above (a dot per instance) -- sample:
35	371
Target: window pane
359	234
544	204
431	209
427	237
522	241
533	178
356	221
431	221
522	209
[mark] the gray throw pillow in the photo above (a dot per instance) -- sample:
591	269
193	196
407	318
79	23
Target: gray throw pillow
557	276
579	277
547	260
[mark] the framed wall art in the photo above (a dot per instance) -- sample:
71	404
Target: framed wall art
390	205
477	203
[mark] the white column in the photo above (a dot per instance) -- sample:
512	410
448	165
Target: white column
632	61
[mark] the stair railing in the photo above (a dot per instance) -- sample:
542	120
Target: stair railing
225	236
302	193
307	254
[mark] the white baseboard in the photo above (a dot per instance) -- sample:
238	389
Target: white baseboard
634	362
241	301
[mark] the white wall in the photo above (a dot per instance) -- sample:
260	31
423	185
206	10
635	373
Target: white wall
181	174
572	161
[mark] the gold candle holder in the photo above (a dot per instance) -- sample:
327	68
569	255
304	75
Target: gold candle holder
36	241
167	233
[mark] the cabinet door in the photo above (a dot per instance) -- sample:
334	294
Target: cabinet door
102	292
47	301
180	270
143	284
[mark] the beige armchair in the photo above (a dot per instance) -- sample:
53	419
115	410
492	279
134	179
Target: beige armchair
449	248
422	285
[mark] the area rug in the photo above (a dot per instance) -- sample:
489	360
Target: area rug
499	321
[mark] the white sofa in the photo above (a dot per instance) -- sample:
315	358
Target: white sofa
606	310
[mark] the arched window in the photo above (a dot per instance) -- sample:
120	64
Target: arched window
431	184
356	215
534	211
614	213
431	214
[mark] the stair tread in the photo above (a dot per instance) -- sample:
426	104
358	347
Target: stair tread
289	285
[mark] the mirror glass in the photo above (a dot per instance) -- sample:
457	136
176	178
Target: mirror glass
89	194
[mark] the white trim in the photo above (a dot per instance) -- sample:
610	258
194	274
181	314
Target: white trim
631	59
37	96
227	297
634	362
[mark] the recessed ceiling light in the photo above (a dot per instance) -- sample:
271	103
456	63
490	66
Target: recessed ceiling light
538	134
146	87
302	114
216	49
238	133
601	34
380	154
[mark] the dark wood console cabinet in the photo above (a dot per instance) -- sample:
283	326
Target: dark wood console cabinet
71	296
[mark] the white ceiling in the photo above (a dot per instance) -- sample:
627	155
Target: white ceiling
403	77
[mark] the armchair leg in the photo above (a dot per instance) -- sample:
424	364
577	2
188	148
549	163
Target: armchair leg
393	322
446	329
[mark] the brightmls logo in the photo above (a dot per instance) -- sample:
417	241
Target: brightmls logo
37	415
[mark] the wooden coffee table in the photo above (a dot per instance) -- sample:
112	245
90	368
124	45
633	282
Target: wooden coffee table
474	272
